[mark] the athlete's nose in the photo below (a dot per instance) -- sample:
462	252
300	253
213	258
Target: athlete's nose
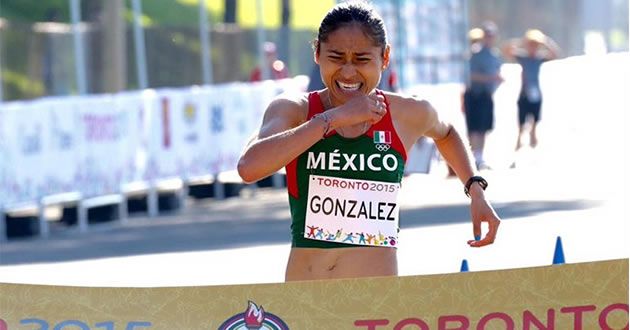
348	71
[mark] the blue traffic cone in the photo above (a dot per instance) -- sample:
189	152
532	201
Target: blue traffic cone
464	267
558	254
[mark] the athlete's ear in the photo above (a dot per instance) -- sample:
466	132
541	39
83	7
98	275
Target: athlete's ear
386	53
316	51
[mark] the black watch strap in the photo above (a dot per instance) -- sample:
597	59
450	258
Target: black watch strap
482	182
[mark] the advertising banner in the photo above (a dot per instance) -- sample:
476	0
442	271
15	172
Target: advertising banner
188	118
60	146
231	113
94	144
101	140
165	108
229	122
4	157
211	120
574	296
23	152
134	142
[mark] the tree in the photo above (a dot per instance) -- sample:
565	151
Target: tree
230	11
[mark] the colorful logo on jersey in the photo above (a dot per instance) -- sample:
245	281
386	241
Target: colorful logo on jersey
254	317
382	140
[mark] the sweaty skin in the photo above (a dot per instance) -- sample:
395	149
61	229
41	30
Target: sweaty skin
350	59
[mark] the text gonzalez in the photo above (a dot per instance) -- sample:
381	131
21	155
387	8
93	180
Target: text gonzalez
354	162
353	209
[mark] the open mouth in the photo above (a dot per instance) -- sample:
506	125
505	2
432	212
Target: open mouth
349	87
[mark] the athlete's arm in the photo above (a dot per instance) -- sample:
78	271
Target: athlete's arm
452	148
450	144
283	135
420	119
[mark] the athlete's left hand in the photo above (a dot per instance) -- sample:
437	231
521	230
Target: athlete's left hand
482	211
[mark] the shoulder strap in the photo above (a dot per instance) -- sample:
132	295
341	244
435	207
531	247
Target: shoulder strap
315	105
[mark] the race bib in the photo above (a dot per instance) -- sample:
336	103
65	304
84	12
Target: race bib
359	212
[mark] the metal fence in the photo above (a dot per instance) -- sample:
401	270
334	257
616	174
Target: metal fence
428	38
38	59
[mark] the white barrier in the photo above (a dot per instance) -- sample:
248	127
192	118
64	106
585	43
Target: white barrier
98	145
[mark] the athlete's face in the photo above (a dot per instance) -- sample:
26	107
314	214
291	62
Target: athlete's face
350	63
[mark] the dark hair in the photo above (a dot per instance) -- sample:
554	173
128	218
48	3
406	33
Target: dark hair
353	12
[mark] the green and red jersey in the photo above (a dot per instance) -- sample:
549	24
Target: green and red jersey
342	191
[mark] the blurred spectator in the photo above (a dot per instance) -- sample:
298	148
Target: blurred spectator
485	65
277	68
389	80
474	36
530	52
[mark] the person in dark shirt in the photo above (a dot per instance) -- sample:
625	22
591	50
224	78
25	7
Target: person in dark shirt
485	66
530	52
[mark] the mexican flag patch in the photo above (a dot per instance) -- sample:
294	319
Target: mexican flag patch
383	137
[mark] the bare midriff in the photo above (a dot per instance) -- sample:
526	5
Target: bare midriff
318	264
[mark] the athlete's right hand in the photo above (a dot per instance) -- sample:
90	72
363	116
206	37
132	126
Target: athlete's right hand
359	109
482	211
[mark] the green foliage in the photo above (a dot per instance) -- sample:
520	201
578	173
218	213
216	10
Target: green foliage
170	13
34	10
155	12
19	86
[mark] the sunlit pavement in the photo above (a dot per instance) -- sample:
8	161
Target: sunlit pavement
573	185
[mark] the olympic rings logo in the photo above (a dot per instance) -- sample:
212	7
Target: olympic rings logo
382	147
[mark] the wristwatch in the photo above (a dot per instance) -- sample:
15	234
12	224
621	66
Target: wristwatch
482	182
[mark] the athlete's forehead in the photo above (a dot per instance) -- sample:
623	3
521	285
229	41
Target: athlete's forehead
349	39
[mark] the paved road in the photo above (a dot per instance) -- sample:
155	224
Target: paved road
574	185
